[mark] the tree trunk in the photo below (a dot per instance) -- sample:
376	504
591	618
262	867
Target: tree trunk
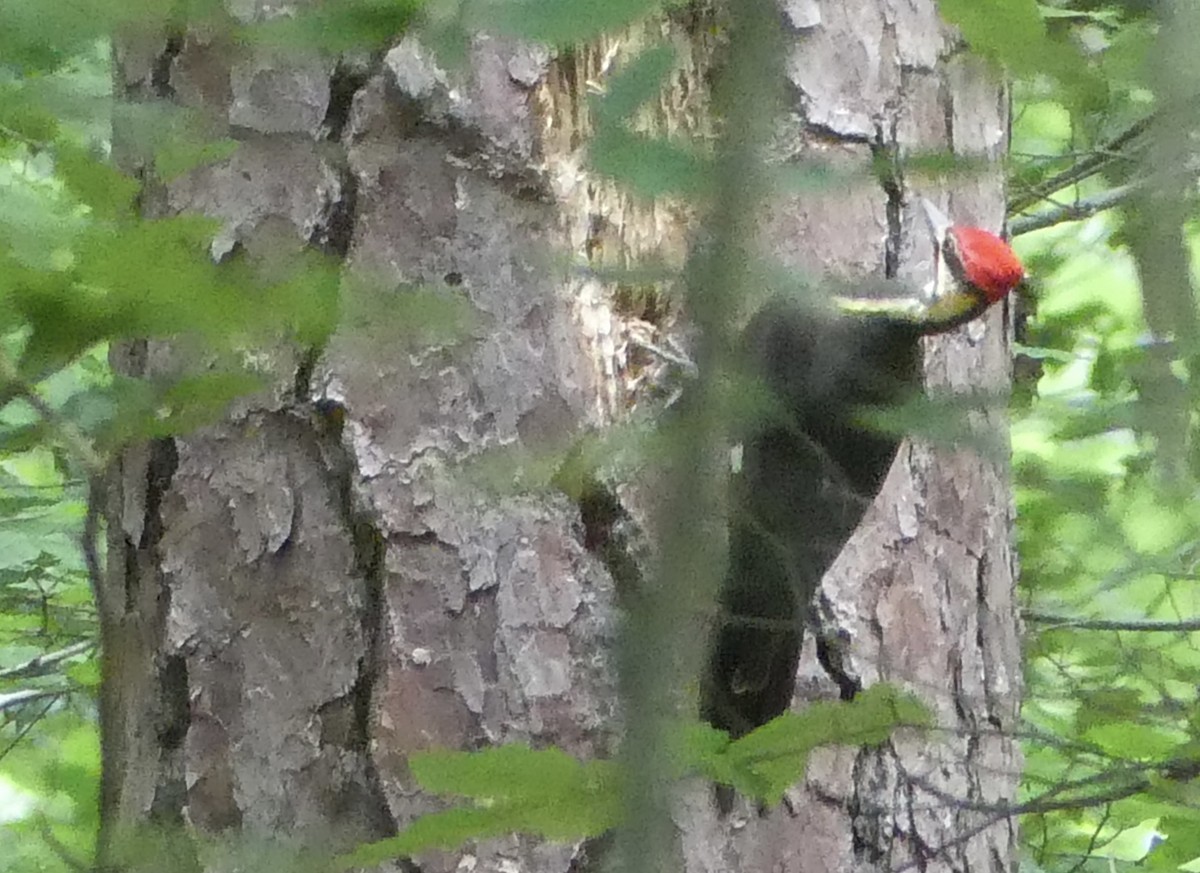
327	580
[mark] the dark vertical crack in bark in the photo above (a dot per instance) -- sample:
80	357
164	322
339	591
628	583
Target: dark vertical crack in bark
335	234
164	460
922	853
369	548
160	75
172	713
170	793
888	171
345	82
608	531
983	608
946	99
132	633
610	534
865	823
831	651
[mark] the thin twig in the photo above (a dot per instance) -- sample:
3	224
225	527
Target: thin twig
671	357
28	695
1106	624
1077	211
74	440
46	663
1038	805
59	848
1095	839
90	543
26	728
1089	166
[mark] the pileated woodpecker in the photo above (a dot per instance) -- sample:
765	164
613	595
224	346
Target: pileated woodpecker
810	469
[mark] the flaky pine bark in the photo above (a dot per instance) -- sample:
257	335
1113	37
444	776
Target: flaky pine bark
922	596
305	593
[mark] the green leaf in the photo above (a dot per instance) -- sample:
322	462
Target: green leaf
650	166
634	84
545	792
1013	32
1131	844
142	410
1128	739
493	774
440	830
85	673
178	155
767	761
408	316
36	224
23	118
347	25
1104	706
108	192
562	22
23	438
173	139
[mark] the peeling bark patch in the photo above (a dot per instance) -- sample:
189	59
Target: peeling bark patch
414	716
272	634
845	67
211	805
244	191
543	664
280	94
539	587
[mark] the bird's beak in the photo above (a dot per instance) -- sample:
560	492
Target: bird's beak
939	226
936	221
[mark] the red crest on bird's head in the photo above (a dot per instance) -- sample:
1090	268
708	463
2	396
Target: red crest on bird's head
986	261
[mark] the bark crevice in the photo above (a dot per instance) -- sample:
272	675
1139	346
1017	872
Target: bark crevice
369	548
160	74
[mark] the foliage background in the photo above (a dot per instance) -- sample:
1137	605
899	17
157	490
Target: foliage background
1102	189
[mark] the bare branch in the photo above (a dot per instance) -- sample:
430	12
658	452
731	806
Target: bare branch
29	695
1077	211
69	859
1104	624
75	440
46	663
1089	166
1094	841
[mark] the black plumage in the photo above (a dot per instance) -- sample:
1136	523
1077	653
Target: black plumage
809	470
